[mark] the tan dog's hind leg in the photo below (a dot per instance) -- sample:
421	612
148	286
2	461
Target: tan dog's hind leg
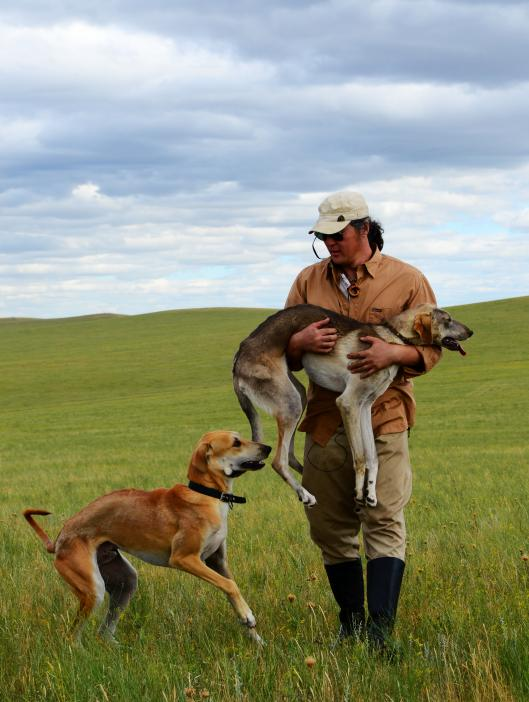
76	563
191	563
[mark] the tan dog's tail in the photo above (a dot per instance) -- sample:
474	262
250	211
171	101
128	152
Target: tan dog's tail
50	546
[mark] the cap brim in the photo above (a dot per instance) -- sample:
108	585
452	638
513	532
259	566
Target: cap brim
328	227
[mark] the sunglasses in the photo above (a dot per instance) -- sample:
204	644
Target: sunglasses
323	237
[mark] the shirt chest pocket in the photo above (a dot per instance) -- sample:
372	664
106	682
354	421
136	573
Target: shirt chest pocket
377	315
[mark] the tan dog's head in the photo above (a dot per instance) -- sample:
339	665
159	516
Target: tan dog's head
224	454
435	327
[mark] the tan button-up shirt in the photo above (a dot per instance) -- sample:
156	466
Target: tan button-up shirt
384	287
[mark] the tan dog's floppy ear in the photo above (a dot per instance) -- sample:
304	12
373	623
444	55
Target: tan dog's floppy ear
422	325
200	457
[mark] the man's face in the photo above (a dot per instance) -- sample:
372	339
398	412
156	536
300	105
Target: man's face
353	244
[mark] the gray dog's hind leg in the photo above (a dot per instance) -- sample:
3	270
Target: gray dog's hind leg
121	582
292	460
250	412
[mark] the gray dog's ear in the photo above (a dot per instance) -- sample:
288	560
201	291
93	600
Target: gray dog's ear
422	325
200	456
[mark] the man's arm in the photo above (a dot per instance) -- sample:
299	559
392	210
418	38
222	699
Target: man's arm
380	355
414	360
317	338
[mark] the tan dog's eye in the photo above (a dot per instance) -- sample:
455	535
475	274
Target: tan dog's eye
237	442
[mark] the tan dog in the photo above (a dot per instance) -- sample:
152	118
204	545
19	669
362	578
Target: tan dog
261	378
183	527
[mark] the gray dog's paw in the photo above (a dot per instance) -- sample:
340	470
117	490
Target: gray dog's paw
306	497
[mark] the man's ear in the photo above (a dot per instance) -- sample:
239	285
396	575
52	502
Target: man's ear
422	325
200	456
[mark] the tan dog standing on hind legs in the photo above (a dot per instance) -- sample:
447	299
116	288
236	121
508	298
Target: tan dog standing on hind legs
184	527
262	379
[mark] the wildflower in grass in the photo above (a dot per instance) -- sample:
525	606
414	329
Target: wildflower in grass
291	597
525	557
310	661
204	694
189	692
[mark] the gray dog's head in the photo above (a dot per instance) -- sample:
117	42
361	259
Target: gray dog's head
436	327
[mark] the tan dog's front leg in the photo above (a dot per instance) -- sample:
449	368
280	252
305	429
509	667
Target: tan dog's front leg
191	563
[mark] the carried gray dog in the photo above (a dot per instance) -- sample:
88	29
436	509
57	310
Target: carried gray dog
262	379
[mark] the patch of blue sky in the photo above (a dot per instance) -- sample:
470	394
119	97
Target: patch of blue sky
469	225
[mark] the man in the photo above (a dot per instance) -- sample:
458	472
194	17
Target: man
360	282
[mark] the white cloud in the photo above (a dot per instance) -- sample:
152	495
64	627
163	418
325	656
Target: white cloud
88	192
165	158
19	135
82	57
417	101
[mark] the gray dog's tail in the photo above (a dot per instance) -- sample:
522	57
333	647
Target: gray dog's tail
249	410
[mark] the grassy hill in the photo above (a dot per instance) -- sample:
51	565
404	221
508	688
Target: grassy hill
90	404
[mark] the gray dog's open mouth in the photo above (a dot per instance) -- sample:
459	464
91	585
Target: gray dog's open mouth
453	345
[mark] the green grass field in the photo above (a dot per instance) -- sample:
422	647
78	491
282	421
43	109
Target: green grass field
96	403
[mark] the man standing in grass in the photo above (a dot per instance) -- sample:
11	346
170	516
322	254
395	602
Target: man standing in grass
360	282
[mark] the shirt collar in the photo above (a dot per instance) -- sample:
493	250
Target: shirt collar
374	262
371	266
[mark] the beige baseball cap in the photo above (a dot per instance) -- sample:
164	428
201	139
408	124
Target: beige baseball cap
337	210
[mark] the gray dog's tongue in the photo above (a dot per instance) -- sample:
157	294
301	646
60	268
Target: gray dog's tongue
453	345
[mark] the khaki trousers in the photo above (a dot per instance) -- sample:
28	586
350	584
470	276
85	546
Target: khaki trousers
336	520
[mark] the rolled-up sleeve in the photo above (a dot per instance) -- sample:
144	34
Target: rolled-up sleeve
296	295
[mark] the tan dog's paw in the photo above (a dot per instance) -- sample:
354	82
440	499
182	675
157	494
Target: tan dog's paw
252	634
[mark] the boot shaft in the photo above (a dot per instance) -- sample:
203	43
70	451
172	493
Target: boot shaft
347	584
384	580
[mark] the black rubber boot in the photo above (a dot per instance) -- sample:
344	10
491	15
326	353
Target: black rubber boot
347	584
384	578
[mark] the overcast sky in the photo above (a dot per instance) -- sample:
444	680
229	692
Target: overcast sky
168	154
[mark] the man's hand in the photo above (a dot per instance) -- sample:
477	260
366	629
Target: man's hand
316	338
380	355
